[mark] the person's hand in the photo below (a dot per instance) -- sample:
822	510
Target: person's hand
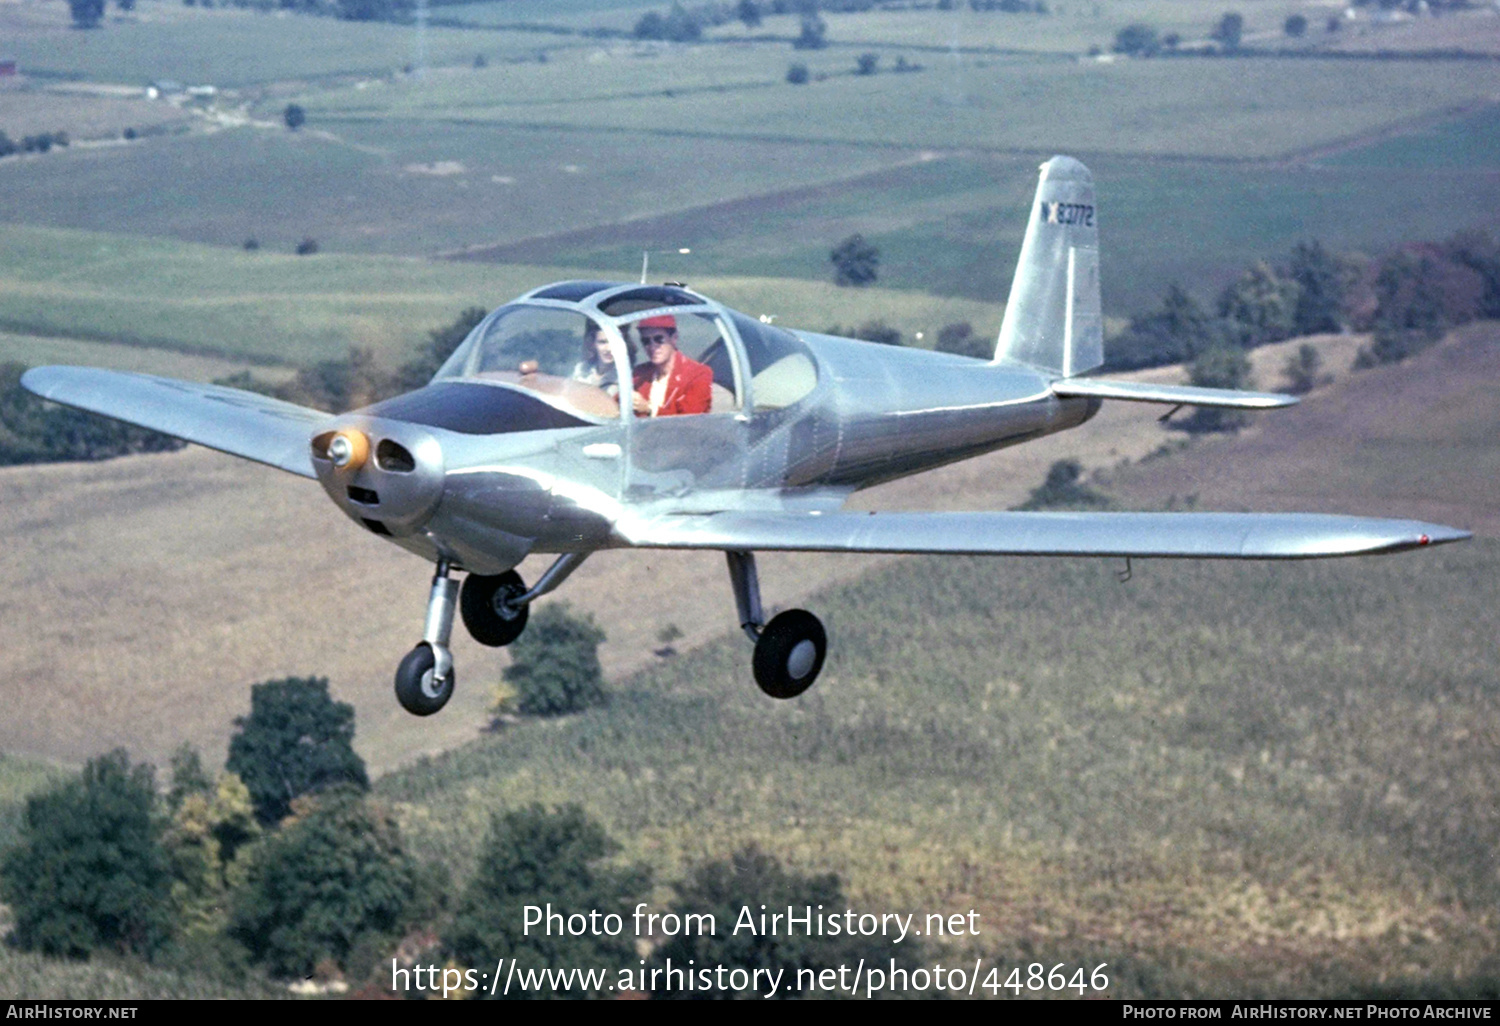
639	403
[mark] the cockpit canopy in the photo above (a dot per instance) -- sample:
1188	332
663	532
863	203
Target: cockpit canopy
566	344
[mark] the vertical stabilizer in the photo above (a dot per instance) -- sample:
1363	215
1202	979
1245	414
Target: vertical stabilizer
1053	320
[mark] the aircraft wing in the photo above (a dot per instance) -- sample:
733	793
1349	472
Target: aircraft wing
240	423
1183	395
1169	535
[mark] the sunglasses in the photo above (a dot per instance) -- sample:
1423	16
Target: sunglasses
655	340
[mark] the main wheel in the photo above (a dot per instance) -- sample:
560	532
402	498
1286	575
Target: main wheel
789	654
416	690
488	614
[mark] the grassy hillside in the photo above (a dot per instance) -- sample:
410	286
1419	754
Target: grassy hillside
1267	777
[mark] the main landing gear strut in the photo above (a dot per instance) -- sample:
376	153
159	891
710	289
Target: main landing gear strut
494	610
789	651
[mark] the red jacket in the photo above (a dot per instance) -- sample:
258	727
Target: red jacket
689	387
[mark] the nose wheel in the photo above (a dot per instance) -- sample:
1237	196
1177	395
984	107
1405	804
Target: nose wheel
424	680
419	689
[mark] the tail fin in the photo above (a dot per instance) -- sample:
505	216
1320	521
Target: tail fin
1053	320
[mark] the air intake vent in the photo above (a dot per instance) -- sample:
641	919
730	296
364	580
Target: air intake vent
393	457
376	526
363	496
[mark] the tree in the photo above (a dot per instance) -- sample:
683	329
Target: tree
205	843
748	12
90	871
330	879
1320	278
294	116
35	431
867	64
1260	306
297	739
1229	30
752	879
534	856
1223	366
1304	371
796	74
308	246
554	666
855	261
440	344
960	338
1178	331
125	5
87	14
1064	489
1136	40
1295	26
812	35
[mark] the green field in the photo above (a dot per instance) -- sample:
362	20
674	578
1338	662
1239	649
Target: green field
279	309
1267	777
1236	109
231	47
953	226
1071	26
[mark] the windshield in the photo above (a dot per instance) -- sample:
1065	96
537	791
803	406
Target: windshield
558	354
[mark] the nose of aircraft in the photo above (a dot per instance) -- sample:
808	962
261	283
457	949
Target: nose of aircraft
388	475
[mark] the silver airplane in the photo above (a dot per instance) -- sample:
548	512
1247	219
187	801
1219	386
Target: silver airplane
521	443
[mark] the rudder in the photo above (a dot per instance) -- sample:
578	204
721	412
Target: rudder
1053	319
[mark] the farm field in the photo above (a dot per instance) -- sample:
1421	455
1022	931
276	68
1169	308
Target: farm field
1229	109
953	226
233	47
275	308
410	188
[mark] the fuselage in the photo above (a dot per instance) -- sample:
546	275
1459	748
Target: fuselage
485	466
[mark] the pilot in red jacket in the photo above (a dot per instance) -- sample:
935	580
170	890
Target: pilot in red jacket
669	383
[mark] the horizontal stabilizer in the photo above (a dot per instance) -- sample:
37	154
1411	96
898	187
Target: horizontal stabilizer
240	423
1183	395
1168	535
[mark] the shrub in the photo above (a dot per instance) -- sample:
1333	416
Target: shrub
750	879
90	871
555	664
867	64
296	739
333	878
308	246
855	261
1063	489
294	116
1136	40
960	338
796	74
534	857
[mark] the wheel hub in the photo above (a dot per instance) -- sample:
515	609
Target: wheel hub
799	662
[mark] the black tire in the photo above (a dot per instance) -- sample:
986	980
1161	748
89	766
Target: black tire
415	689
482	602
784	664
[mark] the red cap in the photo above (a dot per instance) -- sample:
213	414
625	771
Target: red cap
660	321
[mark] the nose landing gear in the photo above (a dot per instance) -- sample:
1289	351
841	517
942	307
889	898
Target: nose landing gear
494	609
424	680
789	651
